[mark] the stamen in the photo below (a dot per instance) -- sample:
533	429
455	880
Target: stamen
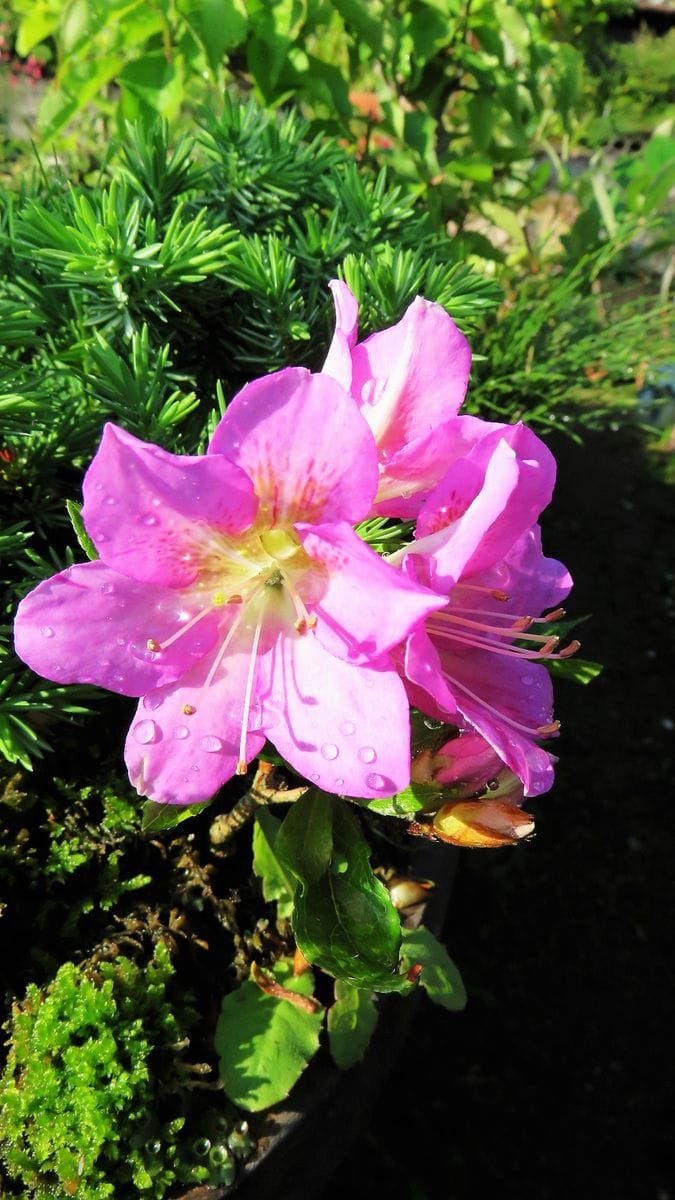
496	593
547	730
553	616
305	620
511	631
466	639
242	766
484	704
549	645
183	629
230	634
568	651
153	645
189	709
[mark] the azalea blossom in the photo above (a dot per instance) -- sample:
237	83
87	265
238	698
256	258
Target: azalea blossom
234	598
409	381
479	662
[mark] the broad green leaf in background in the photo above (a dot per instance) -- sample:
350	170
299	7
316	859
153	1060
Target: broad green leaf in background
440	977
218	25
277	884
263	1042
351	1021
579	670
343	918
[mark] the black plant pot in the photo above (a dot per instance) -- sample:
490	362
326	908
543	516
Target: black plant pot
302	1140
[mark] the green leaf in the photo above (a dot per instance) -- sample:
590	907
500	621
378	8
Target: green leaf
218	25
167	816
440	976
481	114
343	918
413	798
277	884
351	1021
85	542
264	1043
579	670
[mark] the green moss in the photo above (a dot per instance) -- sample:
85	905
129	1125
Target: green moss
89	1101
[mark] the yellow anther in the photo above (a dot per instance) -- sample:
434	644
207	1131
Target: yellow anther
153	645
189	709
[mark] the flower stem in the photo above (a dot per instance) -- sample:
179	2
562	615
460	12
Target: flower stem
265	789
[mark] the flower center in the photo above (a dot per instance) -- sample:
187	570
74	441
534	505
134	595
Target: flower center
264	579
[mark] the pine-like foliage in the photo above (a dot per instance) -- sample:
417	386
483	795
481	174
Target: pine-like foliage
153	295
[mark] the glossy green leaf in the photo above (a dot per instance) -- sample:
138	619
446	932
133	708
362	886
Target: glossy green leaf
579	670
440	977
343	918
351	1021
264	1043
218	25
167	816
277	884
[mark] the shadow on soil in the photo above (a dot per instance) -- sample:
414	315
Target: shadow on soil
555	1081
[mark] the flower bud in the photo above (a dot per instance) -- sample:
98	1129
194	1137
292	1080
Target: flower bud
405	893
466	767
482	824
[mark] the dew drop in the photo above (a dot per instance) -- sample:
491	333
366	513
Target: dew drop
46	631
107	588
526	679
367	754
109	500
376	782
156	501
153	700
339	783
348	728
149	520
121	641
181	732
492	785
329	751
316	777
211	744
145	732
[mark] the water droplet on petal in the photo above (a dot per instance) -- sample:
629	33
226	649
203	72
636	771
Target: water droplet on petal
339	783
145	732
367	754
181	732
316	777
329	751
149	520
153	700
211	744
348	727
109	500
46	631
376	782
107	588
156	501
526	679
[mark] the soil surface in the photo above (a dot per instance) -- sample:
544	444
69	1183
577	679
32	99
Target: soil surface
556	1081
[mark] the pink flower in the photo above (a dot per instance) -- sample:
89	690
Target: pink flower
466	766
408	381
479	661
234	597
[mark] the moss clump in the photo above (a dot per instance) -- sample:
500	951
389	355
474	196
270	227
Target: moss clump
85	1099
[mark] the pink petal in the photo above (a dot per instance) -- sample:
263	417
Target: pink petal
176	756
425	684
338	362
472	502
344	727
90	624
496	693
151	514
366	606
305	446
412	377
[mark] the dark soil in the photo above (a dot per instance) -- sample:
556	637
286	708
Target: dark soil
556	1081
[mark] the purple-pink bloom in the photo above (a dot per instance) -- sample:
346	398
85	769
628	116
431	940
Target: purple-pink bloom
478	663
233	596
409	381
